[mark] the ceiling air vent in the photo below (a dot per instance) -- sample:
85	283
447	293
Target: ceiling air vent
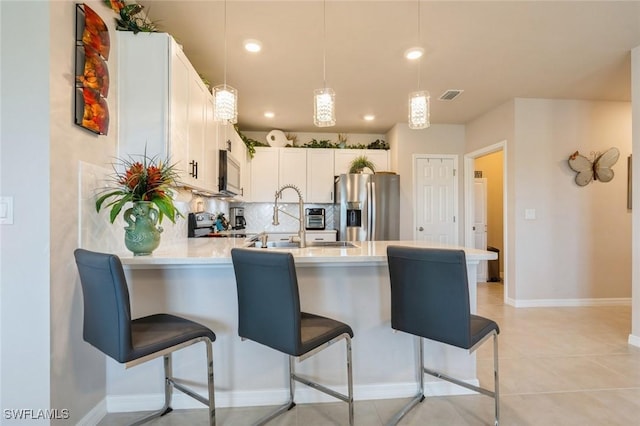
450	94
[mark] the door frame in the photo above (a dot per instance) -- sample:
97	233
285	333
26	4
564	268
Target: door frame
469	176
456	211
483	266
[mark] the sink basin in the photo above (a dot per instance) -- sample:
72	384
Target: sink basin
343	244
288	244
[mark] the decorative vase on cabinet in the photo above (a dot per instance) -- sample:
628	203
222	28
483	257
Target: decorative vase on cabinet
141	235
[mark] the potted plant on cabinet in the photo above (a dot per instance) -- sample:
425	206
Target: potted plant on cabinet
360	163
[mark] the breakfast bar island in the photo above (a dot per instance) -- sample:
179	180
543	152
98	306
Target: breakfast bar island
195	279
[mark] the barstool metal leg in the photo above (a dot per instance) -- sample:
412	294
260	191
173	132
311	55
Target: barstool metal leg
212	404
168	392
349	381
496	384
289	404
419	397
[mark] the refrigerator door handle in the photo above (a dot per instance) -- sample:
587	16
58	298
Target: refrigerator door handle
372	212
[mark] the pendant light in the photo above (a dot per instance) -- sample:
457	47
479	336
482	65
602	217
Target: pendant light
419	101
225	97
324	100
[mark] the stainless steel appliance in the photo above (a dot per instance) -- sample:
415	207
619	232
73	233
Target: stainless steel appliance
236	218
229	183
206	225
200	224
314	218
368	207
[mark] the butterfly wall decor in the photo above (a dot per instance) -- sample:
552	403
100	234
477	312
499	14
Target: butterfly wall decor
599	167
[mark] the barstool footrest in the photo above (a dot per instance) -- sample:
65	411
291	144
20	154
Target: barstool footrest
459	382
189	392
321	388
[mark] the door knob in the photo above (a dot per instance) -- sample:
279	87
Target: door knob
421	229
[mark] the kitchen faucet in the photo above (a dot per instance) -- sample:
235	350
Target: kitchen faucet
301	232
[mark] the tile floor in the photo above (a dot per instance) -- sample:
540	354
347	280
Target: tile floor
558	366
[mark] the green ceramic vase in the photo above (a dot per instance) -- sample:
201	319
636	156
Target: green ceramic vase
141	235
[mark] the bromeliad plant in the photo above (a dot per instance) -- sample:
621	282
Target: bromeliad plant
146	180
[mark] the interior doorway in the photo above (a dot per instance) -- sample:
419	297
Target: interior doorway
488	165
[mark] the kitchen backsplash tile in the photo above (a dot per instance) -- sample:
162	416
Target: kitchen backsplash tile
259	216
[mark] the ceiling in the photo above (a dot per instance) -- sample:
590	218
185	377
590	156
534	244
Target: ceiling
494	51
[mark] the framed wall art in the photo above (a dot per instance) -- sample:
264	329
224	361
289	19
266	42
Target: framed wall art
91	71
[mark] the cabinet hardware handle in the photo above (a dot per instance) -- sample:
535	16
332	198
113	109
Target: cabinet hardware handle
194	169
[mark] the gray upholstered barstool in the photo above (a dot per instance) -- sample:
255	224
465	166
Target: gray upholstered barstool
430	299
109	328
269	313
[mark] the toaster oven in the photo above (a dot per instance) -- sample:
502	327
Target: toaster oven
314	218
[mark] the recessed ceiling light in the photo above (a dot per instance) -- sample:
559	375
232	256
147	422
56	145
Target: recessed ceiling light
252	45
269	114
369	117
414	53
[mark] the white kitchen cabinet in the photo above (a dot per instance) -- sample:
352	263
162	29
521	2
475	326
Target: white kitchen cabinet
292	169
236	147
210	149
197	114
273	167
264	175
312	236
379	157
320	175
344	157
163	105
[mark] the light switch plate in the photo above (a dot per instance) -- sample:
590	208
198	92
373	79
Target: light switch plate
6	210
530	214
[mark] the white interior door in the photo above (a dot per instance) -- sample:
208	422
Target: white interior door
480	222
436	195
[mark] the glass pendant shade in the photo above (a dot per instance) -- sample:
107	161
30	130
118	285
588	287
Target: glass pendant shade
419	110
324	111
225	105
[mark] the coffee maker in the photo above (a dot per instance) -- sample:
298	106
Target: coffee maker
236	218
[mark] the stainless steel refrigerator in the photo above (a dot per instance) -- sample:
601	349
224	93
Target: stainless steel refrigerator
368	207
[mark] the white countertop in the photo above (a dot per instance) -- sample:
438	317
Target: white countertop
217	252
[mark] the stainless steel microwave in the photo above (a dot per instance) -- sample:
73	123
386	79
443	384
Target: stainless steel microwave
229	179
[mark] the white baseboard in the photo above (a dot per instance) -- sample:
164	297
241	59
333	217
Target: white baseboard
634	340
557	303
304	395
94	416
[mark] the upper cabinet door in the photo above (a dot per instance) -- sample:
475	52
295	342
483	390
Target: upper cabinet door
320	175
163	105
344	157
264	175
293	170
379	157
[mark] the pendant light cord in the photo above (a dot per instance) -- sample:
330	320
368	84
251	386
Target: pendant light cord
225	44
324	44
419	37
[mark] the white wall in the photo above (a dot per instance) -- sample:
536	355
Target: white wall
46	364
634	338
404	143
78	371
24	175
579	246
587	228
